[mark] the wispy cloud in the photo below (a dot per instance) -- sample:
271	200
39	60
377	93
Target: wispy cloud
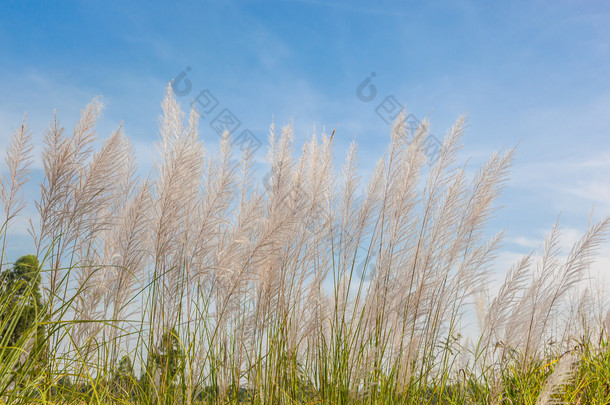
353	7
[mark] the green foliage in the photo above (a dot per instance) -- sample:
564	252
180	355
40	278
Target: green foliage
164	366
168	356
591	383
125	368
124	380
23	354
22	284
23	303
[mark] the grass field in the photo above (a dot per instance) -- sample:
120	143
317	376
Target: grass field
196	285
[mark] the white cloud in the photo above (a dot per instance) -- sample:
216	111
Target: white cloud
596	190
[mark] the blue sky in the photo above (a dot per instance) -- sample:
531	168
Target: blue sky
531	73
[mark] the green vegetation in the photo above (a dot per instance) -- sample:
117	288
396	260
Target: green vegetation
22	327
196	286
21	286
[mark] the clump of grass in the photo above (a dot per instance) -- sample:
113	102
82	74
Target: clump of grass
194	285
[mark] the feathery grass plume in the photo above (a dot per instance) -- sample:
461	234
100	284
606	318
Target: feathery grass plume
494	326
563	371
528	324
173	227
212	211
128	252
64	161
577	322
18	159
312	233
176	190
100	184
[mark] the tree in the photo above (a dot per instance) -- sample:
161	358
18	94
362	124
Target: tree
22	334
124	377
163	366
125	368
169	355
21	293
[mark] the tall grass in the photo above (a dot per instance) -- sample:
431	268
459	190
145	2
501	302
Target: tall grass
196	284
